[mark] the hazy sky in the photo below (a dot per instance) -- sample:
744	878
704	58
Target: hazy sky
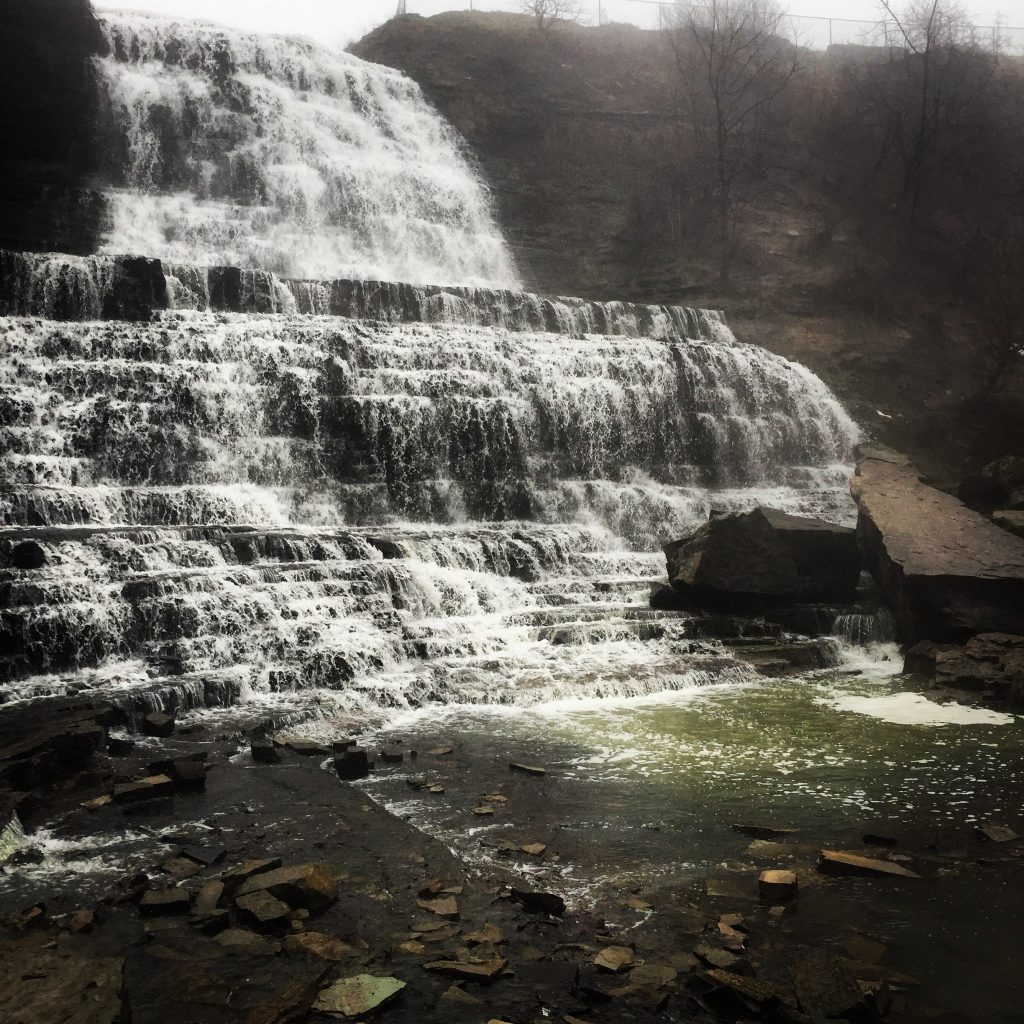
334	21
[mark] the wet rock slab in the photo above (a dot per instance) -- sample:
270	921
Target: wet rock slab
947	572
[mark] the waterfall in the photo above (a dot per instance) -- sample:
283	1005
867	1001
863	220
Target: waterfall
236	504
313	448
227	148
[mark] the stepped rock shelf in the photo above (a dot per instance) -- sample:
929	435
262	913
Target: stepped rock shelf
205	504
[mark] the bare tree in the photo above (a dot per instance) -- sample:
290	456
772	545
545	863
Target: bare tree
547	12
734	61
934	87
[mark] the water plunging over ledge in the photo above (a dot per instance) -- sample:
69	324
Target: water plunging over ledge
224	147
242	505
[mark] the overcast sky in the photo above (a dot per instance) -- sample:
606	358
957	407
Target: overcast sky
341	21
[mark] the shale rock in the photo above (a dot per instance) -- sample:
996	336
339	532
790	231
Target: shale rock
945	571
161	902
1010	519
302	887
743	562
143	789
263	911
777	886
990	661
539	902
158	724
357	996
352	765
319	945
838	862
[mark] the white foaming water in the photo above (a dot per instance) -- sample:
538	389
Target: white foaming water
917	709
228	148
250	507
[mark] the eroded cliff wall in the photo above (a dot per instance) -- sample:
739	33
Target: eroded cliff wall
46	124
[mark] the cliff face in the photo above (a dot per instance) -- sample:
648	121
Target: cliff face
566	128
48	91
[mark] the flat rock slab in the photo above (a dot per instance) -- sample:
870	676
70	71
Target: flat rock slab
469	968
302	887
946	571
353	997
838	862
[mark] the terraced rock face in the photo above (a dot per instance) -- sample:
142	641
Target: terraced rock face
210	507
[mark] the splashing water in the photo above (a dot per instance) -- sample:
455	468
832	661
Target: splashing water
227	148
238	507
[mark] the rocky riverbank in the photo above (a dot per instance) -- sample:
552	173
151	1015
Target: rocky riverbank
237	889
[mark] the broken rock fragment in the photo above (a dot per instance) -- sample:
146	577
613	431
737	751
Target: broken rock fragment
617	958
353	997
304	886
777	886
838	862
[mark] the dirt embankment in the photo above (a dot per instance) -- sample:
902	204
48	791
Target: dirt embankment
578	136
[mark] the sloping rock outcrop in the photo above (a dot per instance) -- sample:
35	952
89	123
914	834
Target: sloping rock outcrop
47	127
761	559
946	571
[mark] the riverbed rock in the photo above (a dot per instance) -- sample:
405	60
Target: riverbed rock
357	996
945	571
777	886
764	831
352	764
1010	519
143	789
990	662
920	659
317	944
264	752
825	988
839	862
243	941
62	985
617	958
248	869
162	902
158	724
539	902
472	969
750	561
993	833
304	886
263	912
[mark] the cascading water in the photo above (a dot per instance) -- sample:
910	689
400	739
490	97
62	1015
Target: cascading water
226	148
241	504
223	484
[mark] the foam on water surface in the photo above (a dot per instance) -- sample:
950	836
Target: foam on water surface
917	709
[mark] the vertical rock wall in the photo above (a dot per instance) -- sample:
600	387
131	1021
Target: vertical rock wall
48	94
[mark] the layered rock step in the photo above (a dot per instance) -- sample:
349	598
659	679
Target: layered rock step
946	571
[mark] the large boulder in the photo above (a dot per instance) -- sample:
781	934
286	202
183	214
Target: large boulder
946	571
750	561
